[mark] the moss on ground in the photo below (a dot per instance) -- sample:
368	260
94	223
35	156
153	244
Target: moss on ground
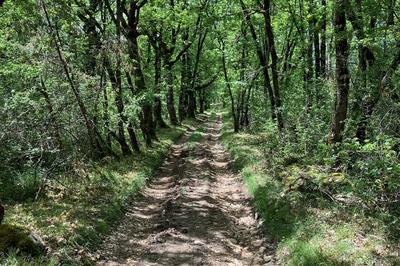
18	239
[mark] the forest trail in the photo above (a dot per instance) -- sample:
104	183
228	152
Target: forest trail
194	212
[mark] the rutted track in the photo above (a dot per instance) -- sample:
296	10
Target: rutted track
195	212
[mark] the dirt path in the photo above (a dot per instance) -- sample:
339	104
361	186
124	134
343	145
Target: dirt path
195	212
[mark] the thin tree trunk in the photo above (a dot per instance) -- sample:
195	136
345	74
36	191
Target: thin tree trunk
53	117
88	124
342	72
183	97
366	59
133	138
170	95
2	209
228	86
262	57
106	116
390	14
274	64
323	41
157	83
309	72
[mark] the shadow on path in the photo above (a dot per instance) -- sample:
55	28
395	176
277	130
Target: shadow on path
195	212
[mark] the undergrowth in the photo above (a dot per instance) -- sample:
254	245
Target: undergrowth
76	212
315	213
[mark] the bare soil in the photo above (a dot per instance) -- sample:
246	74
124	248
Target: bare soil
194	212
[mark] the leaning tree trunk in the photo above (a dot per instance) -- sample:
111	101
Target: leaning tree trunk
90	127
262	57
342	73
133	138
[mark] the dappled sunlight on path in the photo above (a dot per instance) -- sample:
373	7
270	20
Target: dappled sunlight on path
195	212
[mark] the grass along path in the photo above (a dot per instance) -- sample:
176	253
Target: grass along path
77	212
308	228
195	212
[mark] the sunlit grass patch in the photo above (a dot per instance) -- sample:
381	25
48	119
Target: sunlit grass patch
13	259
196	136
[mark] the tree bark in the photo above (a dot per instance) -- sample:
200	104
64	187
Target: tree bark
183	97
132	34
342	72
53	116
323	41
390	14
133	138
262	57
309	72
157	83
366	59
274	63
228	86
170	95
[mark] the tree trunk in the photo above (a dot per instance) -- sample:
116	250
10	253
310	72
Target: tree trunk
191	107
116	84
342	72
323	41
262	57
228	86
274	64
309	71
170	95
133	138
246	119
202	101
146	118
390	14
91	131
53	117
157	83
106	116
183	98
317	52
366	59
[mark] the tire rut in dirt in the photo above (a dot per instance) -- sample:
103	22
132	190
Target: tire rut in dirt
195	212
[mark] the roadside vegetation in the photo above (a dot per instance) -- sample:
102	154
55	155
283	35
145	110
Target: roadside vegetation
77	210
316	214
